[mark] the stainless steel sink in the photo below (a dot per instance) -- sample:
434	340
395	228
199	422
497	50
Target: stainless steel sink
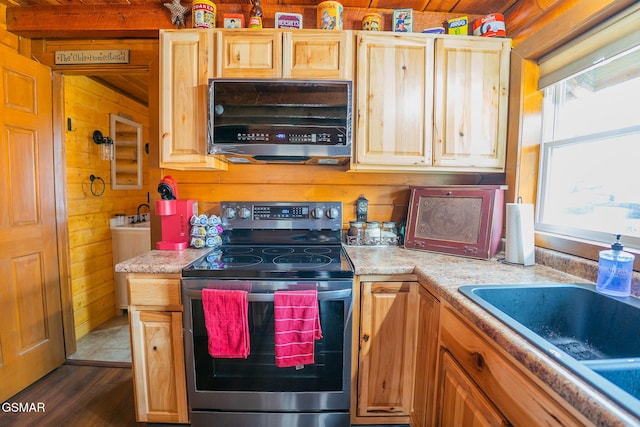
594	335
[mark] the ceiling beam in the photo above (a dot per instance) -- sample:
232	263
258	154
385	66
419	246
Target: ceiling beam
144	20
113	20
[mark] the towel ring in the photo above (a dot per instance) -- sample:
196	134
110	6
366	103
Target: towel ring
93	179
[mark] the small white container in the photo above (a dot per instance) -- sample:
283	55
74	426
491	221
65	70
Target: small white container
372	233
389	233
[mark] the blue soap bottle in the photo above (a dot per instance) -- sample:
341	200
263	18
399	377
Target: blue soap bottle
615	268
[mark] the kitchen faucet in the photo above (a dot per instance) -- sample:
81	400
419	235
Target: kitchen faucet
138	212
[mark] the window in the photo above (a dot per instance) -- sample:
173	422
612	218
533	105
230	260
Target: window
589	184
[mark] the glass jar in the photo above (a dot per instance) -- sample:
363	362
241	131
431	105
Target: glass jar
389	233
372	233
355	236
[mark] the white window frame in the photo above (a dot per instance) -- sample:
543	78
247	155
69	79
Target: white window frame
604	42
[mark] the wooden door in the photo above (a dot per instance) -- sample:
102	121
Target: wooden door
31	339
387	340
394	101
471	101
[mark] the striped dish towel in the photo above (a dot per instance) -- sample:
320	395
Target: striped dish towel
297	327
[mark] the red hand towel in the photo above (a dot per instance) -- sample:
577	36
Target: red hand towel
225	316
297	326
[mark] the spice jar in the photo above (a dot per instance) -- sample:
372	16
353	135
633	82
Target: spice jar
372	233
356	233
389	233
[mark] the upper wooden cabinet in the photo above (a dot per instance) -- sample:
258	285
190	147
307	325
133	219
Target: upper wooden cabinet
422	102
186	64
307	54
249	53
424	108
394	101
471	97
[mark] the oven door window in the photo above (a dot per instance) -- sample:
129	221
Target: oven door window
258	373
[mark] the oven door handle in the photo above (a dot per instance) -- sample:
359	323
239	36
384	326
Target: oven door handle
322	295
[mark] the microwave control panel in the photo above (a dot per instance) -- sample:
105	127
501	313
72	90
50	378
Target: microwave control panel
267	135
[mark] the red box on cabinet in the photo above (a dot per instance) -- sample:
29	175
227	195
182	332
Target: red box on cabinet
464	220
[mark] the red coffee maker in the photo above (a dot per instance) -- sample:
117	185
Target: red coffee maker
174	216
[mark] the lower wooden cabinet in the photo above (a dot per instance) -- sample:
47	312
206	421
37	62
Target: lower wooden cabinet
157	349
424	387
480	385
386	356
462	403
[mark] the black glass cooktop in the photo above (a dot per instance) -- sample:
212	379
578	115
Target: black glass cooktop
269	261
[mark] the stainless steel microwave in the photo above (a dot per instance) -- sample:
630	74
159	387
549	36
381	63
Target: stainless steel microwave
281	121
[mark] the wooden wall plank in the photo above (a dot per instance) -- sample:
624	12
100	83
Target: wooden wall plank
388	193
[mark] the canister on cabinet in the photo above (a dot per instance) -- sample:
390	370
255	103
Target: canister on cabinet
330	15
204	14
372	22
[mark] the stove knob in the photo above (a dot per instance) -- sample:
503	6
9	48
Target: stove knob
318	213
230	213
245	213
333	213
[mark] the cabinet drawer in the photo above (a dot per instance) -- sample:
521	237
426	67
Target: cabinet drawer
155	290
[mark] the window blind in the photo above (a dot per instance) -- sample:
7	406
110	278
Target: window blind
616	35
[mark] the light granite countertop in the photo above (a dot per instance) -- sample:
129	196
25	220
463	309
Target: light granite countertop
445	273
157	261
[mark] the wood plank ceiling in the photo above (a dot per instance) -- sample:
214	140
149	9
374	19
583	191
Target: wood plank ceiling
142	18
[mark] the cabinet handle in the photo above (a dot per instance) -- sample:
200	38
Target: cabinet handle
365	338
155	348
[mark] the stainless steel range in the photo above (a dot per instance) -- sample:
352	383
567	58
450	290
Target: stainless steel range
269	247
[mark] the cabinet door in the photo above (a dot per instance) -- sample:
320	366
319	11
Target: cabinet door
394	102
248	53
186	61
387	346
461	402
424	391
471	95
158	366
319	54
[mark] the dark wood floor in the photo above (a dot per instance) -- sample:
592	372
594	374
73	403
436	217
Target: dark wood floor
79	396
75	395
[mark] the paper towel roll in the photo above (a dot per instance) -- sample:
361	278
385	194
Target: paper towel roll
519	246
